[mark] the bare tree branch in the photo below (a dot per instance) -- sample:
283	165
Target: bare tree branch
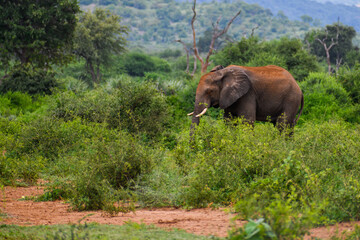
195	65
196	52
253	30
216	34
187	54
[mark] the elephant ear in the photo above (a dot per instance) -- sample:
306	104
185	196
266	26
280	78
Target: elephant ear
235	84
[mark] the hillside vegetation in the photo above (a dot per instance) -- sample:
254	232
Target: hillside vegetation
321	13
157	22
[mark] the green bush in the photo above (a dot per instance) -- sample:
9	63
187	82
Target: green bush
14	104
279	219
298	61
103	166
137	64
287	53
350	80
326	98
96	164
137	108
266	58
24	78
72	84
45	137
226	163
254	230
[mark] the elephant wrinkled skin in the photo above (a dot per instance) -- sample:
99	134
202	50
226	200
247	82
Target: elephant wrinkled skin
255	93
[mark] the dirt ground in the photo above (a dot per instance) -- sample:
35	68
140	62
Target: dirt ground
197	221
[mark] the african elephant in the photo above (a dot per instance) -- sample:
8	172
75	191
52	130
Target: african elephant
267	93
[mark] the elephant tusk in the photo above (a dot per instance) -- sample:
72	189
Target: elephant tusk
189	114
202	113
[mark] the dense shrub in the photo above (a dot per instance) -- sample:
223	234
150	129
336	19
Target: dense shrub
326	98
287	53
15	104
72	84
137	64
138	108
350	80
298	61
227	163
30	80
95	163
109	163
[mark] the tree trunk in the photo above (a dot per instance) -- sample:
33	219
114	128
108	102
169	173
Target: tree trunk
216	34
91	70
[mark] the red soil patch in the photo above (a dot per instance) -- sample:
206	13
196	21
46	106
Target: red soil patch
198	221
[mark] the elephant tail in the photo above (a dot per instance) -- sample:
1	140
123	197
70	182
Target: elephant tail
301	108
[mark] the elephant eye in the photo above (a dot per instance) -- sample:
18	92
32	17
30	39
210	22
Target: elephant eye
210	91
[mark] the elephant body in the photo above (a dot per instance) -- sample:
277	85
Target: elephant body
255	93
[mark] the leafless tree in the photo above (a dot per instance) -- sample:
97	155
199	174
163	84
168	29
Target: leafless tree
216	34
327	49
187	54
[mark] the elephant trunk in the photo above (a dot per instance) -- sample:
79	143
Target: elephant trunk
200	109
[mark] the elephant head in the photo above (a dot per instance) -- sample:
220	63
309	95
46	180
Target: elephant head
221	87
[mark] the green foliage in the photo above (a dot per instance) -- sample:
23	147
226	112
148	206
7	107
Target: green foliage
130	230
14	162
138	108
111	161
254	230
98	36
227	163
239	53
352	57
286	53
285	221
322	12
349	78
156	25
27	79
72	84
329	33
16	103
326	99
127	141
298	61
137	64
170	53
37	32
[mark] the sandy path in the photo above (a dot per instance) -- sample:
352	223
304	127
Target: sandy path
198	221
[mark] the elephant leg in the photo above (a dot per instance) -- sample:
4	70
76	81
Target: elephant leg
285	122
245	108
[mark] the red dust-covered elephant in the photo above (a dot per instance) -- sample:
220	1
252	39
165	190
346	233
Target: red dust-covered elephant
267	93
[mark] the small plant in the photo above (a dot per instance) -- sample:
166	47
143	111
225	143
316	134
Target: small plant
288	219
254	230
77	232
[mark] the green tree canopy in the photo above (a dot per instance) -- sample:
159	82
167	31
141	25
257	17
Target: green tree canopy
98	36
37	32
287	53
340	50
